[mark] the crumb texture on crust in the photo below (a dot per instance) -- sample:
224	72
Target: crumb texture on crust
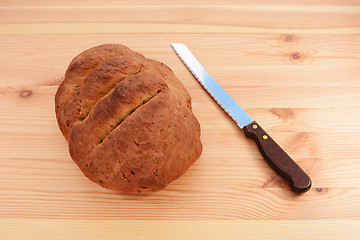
127	119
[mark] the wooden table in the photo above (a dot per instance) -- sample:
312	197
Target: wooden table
293	65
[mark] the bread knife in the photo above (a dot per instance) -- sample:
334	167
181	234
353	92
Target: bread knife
274	155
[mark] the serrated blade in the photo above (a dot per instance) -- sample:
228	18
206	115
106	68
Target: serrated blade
212	87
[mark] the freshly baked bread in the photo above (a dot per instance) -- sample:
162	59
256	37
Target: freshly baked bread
127	119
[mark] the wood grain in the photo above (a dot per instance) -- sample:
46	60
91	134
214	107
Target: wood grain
184	17
299	77
115	229
247	60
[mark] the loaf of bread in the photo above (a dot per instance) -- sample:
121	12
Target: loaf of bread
127	119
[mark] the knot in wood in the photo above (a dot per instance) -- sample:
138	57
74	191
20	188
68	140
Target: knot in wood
25	93
295	56
289	38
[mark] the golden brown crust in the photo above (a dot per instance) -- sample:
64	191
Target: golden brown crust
127	119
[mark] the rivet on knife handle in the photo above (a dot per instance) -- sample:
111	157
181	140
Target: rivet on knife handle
278	159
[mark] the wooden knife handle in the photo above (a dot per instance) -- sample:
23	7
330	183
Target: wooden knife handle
277	158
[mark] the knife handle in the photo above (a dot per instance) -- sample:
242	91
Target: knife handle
278	159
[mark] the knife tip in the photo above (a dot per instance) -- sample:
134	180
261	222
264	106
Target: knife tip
176	44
